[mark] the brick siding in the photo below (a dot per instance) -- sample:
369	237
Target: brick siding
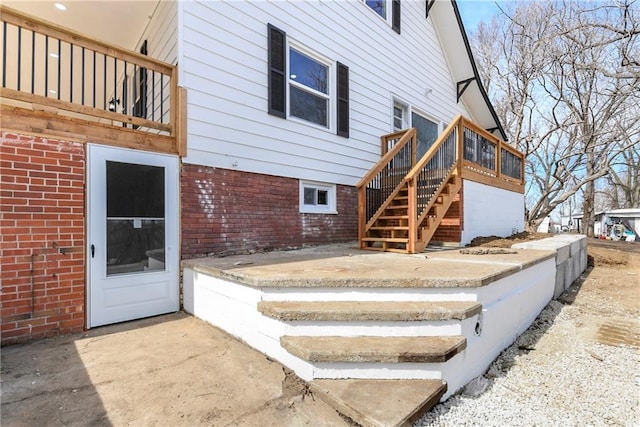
42	239
228	211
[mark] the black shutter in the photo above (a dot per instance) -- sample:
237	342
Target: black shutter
395	16
343	100
277	72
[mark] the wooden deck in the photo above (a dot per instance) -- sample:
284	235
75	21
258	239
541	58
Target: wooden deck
88	91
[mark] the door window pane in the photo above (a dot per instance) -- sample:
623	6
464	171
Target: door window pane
135	245
427	133
135	190
135	218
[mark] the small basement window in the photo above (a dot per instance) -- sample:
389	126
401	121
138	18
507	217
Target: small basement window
317	198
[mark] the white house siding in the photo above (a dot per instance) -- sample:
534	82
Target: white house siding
161	34
490	211
223	61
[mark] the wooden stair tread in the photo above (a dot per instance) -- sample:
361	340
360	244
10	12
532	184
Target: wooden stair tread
394	217
389	227
373	248
386	239
369	310
331	349
380	402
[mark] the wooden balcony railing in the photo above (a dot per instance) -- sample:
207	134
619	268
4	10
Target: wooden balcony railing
489	160
462	151
59	83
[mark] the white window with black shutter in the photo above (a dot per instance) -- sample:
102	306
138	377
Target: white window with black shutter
306	86
389	10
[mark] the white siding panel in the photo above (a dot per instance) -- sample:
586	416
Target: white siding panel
161	33
224	65
490	211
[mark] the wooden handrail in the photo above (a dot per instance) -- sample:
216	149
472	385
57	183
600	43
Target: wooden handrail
433	149
408	134
480	131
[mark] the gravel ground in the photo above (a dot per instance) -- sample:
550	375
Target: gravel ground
557	372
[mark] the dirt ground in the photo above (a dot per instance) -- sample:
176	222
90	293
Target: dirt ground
607	295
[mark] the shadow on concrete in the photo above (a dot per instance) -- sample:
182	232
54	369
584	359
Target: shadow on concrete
47	382
34	393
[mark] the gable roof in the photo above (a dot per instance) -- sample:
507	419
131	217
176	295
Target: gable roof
453	37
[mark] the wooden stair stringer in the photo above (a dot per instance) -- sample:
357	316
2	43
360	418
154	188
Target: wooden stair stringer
433	222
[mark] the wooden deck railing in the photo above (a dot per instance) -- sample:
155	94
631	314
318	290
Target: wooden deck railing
83	89
378	187
489	160
463	150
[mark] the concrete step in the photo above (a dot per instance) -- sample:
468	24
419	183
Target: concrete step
380	402
331	349
396	311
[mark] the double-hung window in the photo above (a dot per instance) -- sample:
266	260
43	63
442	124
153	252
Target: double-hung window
306	86
309	96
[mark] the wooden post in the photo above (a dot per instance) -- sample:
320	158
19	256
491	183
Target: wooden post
414	147
499	159
362	214
460	144
181	122
412	212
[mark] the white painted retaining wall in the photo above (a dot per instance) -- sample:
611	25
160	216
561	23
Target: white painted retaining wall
490	211
571	257
510	305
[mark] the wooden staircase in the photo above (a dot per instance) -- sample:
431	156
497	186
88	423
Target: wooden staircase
402	200
390	231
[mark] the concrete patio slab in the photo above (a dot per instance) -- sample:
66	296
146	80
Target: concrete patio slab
346	266
172	370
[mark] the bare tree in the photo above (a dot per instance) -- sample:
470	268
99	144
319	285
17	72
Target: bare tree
565	78
622	188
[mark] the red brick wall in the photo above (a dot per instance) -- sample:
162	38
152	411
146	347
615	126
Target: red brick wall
450	229
227	211
42	238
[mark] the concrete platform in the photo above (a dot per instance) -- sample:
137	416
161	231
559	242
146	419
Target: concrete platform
380	403
347	266
345	318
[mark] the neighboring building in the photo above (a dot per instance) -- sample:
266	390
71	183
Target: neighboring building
226	127
571	223
605	220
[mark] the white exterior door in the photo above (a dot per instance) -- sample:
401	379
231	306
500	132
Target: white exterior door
133	227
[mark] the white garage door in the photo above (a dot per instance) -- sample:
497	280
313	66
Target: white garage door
133	227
